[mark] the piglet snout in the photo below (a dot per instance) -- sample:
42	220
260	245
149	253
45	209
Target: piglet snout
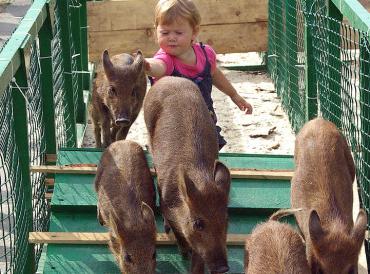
122	121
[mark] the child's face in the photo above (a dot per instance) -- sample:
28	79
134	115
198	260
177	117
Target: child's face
176	38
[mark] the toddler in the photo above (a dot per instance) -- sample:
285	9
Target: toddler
177	25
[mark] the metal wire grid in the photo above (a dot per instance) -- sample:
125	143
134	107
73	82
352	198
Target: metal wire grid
341	56
342	68
76	57
286	57
295	64
13	218
37	145
64	121
274	17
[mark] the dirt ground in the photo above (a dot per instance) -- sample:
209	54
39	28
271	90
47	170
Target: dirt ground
266	131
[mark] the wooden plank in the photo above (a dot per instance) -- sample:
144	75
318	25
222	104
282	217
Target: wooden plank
235	173
227	38
261	174
81	238
139	14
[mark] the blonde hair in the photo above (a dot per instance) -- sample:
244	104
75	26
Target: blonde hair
167	11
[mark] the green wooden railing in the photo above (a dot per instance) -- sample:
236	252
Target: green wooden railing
44	78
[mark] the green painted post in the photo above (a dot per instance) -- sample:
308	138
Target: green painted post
74	12
335	65
84	46
21	139
310	76
279	48
365	125
45	37
62	7
292	62
271	51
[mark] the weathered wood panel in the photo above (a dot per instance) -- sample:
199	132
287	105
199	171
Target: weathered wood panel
235	173
125	26
103	238
139	14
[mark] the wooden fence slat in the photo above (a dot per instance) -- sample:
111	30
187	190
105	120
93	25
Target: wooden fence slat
102	238
139	14
235	173
227	38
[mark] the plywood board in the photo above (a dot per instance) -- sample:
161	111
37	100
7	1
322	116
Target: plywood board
102	238
235	173
139	14
246	37
125	26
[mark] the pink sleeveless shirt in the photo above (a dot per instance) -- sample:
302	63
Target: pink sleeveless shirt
185	69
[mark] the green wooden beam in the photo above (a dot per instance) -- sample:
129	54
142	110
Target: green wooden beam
334	111
24	35
310	74
357	15
45	38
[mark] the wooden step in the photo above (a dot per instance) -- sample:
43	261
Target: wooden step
102	238
235	173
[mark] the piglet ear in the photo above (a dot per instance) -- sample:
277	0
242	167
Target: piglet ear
107	64
315	228
147	213
359	228
139	62
186	185
222	176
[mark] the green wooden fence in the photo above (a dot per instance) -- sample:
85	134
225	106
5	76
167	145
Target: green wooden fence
44	82
319	59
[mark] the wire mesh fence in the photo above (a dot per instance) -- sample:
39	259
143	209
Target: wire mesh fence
341	55
44	83
64	119
36	144
320	65
14	223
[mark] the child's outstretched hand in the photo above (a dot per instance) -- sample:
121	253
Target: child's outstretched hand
147	65
242	104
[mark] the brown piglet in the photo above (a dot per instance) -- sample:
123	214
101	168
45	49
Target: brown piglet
126	199
193	185
322	187
275	248
117	97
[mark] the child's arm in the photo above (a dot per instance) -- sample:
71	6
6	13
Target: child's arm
220	82
155	67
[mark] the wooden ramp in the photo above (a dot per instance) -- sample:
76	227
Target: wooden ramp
73	209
